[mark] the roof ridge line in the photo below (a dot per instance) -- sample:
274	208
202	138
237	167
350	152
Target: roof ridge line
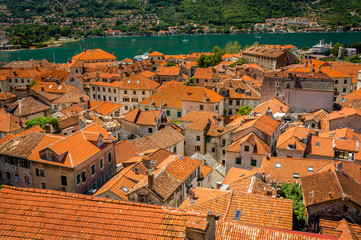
338	183
229	204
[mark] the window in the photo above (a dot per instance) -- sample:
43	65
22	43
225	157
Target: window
40	172
150	130
134	92
22	80
277	84
237	214
253	162
295	175
246	148
101	163
336	81
230	102
103	89
238	102
197	148
344	90
345	81
92	169
317	144
213	149
26	179
278	165
125	92
238	160
94	185
179	114
146	109
64	180
115	99
109	157
143	92
102	180
126	107
104	98
198	138
78	178
223	142
16	178
114	90
223	152
83	176
310	168
109	90
8	175
43	185
201	107
174	149
168	112
110	98
345	208
216	107
143	198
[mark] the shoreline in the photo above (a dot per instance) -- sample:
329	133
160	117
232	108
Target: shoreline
58	43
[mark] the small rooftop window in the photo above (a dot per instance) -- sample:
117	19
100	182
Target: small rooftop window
295	175
317	144
278	165
50	86
237	214
125	189
310	168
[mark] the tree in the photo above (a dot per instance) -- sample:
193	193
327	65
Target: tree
150	50
238	62
32	83
170	64
245	110
305	48
334	49
293	191
232	47
41	121
357	45
139	52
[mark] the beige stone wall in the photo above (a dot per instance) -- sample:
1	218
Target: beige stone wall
15	167
233	105
191	142
246	158
342	88
207	107
290	153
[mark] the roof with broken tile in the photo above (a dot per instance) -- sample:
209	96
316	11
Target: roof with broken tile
172	96
53	214
164	138
232	230
254	209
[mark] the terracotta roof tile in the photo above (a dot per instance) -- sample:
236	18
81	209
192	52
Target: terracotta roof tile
260	147
273	104
28	106
233	230
51	87
99	217
168	71
163	138
10	123
264	123
7	95
125	150
72	97
173	95
345	112
235	174
94	54
255	209
341	229
106	108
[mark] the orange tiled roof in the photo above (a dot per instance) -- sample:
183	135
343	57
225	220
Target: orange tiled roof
294	136
173	95
72	97
338	185
234	230
74	155
341	229
264	123
235	174
28	106
140	117
203	73
51	87
94	54
7	95
125	150
255	209
194	116
9	123
260	147
164	138
155	54
106	108
282	169
169	71
11	136
99	217
273	104
345	112
342	133
354	95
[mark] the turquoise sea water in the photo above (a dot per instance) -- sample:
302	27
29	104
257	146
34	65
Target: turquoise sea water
124	47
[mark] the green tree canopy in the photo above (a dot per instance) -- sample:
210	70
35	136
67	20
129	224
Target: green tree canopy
232	47
245	110
293	191
170	64
41	121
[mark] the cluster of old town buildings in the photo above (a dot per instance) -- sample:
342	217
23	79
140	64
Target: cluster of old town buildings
146	151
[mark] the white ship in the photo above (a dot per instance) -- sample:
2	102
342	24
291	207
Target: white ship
141	57
321	48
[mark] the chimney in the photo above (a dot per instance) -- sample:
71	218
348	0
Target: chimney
218	185
192	194
150	180
205	98
269	112
110	137
339	167
136	170
153	165
146	161
48	128
81	99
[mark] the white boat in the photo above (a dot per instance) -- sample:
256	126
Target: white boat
141	57
321	48
185	40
